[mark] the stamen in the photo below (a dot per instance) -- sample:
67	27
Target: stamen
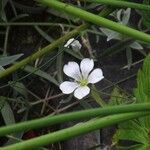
83	82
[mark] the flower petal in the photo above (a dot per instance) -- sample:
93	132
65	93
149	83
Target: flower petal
72	70
86	66
69	42
68	87
81	92
95	76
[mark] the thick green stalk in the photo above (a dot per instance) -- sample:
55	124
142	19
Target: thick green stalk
50	47
72	10
76	130
121	4
51	120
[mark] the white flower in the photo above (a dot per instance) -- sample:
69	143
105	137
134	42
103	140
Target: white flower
74	44
82	76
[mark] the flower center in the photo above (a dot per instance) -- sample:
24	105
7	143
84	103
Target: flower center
83	82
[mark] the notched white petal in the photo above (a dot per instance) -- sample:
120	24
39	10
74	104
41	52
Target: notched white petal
95	76
81	92
72	70
68	87
86	66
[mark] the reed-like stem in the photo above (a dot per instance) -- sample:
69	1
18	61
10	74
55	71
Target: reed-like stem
86	114
76	130
95	19
121	4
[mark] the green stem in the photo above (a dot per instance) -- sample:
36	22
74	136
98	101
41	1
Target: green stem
119	3
51	120
95	94
50	47
96	19
43	51
76	130
34	24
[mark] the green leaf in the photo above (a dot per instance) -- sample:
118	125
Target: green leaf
1	9
7	114
111	34
133	147
6	60
77	55
85	104
137	130
142	92
133	131
59	65
20	88
1	68
2	102
17	136
136	45
44	34
41	74
125	16
129	57
146	15
2	12
96	96
122	16
18	17
117	97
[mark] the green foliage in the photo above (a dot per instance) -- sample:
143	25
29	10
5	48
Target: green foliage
6	60
137	130
121	16
2	102
20	89
96	96
7	113
117	97
142	92
2	12
41	74
146	15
